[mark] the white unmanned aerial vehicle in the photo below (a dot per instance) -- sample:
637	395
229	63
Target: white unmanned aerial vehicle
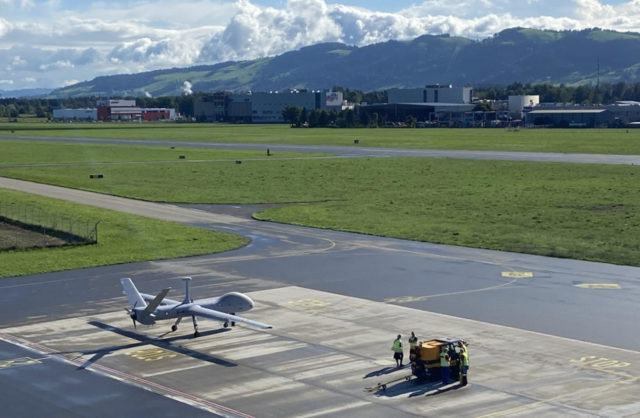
222	308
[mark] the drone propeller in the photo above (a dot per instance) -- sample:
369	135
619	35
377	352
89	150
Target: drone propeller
133	315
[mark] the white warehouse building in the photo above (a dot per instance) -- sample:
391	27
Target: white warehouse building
519	103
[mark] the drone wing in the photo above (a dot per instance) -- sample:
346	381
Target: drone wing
222	317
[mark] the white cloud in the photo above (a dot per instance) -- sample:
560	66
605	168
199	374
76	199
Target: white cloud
52	44
255	31
4	27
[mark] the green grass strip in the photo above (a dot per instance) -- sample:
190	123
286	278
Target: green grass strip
122	238
43	152
580	211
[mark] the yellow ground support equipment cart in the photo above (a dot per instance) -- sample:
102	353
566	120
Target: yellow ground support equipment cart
425	358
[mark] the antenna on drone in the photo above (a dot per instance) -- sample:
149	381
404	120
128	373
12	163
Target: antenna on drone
187	296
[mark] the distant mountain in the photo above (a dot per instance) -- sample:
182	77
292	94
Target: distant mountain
22	93
513	55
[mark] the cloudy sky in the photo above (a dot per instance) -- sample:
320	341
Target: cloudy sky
51	43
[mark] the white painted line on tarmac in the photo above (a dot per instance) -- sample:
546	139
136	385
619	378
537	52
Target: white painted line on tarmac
176	370
127	378
262	350
339	368
335	410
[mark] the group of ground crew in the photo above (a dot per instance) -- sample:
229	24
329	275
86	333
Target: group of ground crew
461	362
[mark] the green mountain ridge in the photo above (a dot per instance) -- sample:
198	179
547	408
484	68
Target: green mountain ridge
513	55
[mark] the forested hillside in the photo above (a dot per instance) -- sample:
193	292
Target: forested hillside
516	55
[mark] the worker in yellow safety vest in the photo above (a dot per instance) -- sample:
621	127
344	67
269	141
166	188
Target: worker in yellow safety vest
445	370
464	366
413	341
397	351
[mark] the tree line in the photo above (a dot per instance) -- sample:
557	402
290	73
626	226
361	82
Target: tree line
606	93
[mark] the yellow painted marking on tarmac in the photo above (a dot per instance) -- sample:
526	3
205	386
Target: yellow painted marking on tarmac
600	363
410	299
152	354
517	274
309	304
20	361
603	364
606	365
598	285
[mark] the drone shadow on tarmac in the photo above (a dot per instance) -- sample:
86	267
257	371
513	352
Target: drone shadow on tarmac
164	343
414	388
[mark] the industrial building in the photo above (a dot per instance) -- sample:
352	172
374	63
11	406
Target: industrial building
263	107
432	94
114	110
432	105
126	110
518	104
555	115
569	118
436	114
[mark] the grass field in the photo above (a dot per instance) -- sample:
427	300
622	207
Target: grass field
565	210
580	211
42	152
121	239
593	141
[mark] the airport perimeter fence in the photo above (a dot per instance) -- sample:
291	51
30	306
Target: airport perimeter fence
69	230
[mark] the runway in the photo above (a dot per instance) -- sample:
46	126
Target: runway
360	151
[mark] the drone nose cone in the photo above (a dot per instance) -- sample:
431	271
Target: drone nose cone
246	302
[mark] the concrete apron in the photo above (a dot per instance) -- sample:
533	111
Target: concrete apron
325	349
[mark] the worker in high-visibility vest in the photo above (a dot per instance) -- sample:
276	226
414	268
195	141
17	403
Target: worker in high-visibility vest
445	370
397	351
464	366
413	341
